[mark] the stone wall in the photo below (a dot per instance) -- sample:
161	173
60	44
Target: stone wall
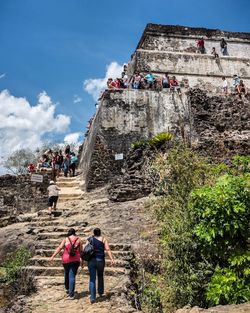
19	195
123	117
216	125
172	49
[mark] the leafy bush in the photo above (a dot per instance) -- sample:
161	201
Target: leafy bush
204	229
155	141
14	264
160	139
223	214
138	144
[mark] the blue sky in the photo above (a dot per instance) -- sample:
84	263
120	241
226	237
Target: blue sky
55	45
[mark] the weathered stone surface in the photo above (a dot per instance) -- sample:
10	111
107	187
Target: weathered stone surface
19	195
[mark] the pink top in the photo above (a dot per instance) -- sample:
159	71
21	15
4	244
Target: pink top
66	258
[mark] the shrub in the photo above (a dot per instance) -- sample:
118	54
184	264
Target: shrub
155	141
14	264
204	229
160	139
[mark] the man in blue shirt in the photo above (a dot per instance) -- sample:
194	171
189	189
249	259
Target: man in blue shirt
150	79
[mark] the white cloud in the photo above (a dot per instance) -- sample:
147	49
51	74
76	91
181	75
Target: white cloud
77	99
72	138
93	86
25	126
2	75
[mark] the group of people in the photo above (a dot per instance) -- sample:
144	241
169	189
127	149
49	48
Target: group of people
57	161
201	47
72	247
148	81
238	85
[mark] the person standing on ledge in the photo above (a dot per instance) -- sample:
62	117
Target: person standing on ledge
53	196
97	263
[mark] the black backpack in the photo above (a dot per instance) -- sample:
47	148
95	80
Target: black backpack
73	249
89	251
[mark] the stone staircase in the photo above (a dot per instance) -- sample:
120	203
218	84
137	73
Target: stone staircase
50	232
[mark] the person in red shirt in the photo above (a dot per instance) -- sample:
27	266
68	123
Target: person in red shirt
70	261
174	84
201	45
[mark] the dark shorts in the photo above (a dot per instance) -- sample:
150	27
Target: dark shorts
53	200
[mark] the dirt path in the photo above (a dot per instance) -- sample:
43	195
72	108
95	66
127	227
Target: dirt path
121	223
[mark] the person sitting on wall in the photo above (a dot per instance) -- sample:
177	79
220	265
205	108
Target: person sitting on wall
136	81
174	85
150	80
201	45
224	86
241	88
223	46
111	84
165	81
31	168
236	82
117	83
214	53
125	80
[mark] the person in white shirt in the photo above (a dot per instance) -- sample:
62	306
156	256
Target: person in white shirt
224	86
53	196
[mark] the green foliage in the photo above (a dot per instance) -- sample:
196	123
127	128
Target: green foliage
204	229
229	286
241	164
160	138
138	144
14	264
155	141
151	295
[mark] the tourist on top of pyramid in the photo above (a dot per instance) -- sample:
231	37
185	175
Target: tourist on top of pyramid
136	83
241	88
214	53
96	262
72	247
224	86
150	80
174	84
111	83
165	81
236	82
125	80
223	46
201	45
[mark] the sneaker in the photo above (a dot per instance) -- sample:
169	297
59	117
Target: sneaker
71	297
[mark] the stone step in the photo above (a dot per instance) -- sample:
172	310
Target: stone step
55	235
70	183
81	281
126	255
59	228
63	178
49	244
44	261
59	271
44	213
66	198
44	223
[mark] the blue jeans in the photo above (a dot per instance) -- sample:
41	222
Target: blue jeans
96	266
70	270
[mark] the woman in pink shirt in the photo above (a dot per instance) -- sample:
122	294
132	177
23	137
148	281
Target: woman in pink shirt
72	247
